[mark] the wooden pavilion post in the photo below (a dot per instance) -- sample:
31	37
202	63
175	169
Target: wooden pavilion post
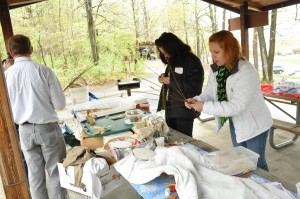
244	22
5	21
12	170
244	29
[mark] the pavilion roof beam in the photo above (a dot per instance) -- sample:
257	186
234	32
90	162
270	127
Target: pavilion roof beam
281	5
20	3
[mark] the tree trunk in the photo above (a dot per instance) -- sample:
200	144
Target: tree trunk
263	52
197	29
272	44
185	31
92	32
62	40
212	16
136	24
224	19
255	50
146	20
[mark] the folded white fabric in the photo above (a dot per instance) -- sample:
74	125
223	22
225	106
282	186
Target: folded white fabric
91	172
193	179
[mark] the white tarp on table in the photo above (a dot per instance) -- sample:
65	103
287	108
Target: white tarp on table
193	179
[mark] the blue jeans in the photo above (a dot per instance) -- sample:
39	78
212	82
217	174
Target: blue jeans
256	144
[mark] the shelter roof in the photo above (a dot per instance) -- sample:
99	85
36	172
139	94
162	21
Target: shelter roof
19	3
253	5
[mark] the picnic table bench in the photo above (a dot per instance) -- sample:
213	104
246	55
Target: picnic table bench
286	126
281	124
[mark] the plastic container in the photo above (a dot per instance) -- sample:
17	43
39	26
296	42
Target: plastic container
102	107
133	115
298	189
233	161
79	95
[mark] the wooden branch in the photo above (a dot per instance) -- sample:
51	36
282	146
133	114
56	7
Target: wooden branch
78	76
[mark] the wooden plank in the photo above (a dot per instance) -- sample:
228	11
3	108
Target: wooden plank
287	126
280	4
234	24
254	20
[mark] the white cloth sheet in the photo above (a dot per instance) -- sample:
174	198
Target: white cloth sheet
193	179
91	172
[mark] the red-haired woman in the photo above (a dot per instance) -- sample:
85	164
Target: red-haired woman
233	94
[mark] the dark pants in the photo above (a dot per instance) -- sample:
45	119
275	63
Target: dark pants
184	126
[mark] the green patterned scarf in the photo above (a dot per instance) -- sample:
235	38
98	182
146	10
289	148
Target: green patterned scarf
222	76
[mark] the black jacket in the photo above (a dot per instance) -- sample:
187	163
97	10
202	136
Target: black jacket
186	81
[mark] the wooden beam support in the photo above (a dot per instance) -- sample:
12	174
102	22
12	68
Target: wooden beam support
12	170
5	21
244	29
222	5
281	5
254	20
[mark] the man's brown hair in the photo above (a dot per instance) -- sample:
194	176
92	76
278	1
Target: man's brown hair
19	45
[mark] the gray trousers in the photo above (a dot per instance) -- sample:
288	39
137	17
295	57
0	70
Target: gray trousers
43	146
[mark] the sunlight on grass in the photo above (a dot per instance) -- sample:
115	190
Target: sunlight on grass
292	59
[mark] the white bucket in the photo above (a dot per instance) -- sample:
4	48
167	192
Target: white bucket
79	94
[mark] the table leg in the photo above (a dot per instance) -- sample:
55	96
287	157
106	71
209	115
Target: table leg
298	113
280	145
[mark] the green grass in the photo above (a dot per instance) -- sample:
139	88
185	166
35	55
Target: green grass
292	59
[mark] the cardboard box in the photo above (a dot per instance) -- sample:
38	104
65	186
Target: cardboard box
91	142
109	178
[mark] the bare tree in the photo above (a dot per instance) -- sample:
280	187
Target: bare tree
267	60
263	52
197	28
213	17
224	19
134	7
92	31
146	20
255	50
185	3
272	44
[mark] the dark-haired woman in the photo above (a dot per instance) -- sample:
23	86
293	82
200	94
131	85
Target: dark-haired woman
183	78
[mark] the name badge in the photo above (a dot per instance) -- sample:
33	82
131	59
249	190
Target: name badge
178	70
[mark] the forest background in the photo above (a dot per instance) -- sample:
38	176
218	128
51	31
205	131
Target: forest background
92	42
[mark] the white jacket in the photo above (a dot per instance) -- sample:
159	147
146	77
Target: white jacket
246	105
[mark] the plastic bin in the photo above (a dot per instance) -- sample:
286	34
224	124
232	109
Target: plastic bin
79	95
233	161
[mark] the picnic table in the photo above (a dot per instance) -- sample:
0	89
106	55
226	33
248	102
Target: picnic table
156	187
283	98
